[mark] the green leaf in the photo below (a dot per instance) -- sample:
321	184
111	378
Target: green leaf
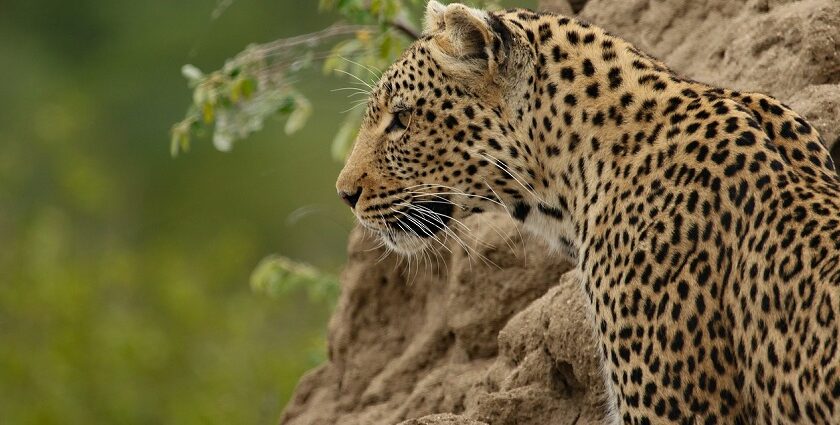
175	144
207	112
192	74
277	275
298	117
249	86
242	89
287	104
386	46
345	49
346	134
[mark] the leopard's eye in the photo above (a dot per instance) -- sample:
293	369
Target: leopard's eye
400	121
404	117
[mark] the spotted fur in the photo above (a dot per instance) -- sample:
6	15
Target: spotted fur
705	222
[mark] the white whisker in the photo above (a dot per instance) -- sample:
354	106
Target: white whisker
357	78
512	173
374	74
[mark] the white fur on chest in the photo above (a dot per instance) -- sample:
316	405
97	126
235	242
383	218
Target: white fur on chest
559	235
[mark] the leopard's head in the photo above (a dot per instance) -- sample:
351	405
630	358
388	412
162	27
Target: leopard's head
440	137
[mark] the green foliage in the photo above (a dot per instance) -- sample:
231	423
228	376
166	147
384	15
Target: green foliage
234	101
366	11
237	99
279	276
381	30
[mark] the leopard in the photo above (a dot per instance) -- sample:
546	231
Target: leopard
704	222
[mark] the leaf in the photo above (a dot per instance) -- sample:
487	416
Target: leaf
249	86
235	93
200	94
375	6
180	134
222	141
364	36
174	144
242	89
192	74
346	135
207	112
276	275
386	46
287	105
298	117
342	50
301	62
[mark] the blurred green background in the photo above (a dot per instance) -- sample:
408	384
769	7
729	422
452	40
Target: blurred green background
124	295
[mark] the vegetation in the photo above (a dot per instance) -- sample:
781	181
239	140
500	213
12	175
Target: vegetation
234	101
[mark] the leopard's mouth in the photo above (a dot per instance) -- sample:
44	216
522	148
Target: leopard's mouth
423	219
413	225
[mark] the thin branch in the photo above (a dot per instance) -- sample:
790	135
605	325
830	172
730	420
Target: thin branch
315	37
405	28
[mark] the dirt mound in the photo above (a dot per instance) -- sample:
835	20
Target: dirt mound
460	340
475	335
789	49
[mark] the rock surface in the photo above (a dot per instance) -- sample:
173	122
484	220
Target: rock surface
500	335
789	49
473	333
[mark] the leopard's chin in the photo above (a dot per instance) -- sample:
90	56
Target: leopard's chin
403	243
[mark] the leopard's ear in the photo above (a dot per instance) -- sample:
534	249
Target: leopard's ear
471	40
433	21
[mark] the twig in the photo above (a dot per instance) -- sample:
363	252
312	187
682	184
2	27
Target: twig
404	28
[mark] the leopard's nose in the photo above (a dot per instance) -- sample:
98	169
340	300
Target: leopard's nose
350	198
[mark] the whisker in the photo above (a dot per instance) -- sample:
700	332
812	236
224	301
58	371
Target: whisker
512	173
357	78
456	191
505	238
436	215
423	226
353	107
375	75
447	230
359	89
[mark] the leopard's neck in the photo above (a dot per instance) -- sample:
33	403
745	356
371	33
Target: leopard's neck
586	123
